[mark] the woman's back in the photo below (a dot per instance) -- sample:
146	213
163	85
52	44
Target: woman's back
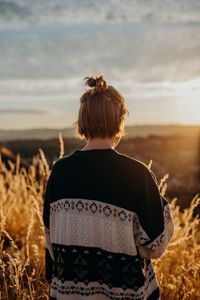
105	219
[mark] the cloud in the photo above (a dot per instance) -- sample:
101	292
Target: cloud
21	111
61	88
11	9
50	12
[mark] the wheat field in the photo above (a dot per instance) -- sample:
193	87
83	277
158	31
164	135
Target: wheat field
22	238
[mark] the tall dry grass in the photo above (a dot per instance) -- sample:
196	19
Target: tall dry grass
22	238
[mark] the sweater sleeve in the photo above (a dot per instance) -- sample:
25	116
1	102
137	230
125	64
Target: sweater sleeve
46	216
153	225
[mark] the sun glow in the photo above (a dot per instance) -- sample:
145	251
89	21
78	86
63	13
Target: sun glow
187	101
188	111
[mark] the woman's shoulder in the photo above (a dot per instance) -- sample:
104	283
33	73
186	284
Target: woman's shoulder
133	162
138	167
61	162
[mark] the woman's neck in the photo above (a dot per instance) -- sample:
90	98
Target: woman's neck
99	143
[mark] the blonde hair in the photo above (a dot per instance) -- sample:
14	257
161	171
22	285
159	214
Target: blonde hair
102	110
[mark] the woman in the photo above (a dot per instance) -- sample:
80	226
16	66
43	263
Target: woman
104	216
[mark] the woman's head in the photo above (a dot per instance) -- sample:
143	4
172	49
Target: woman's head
102	110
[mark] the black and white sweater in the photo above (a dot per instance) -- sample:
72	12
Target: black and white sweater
104	220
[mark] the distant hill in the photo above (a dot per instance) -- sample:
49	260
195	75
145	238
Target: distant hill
7	155
132	131
162	130
40	133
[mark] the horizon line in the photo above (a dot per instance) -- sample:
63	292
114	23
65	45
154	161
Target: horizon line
127	126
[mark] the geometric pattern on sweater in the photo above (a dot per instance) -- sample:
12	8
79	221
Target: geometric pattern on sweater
61	291
92	290
89	264
83	287
71	260
85	216
91	207
96	224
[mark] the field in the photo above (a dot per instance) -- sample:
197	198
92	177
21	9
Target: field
22	237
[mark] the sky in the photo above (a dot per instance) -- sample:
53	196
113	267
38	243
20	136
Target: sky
148	50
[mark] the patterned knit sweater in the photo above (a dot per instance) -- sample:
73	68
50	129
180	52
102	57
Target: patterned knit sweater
104	221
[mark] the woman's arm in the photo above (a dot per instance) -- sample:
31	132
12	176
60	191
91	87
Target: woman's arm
153	226
155	248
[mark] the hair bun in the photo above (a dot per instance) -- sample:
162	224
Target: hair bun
97	82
